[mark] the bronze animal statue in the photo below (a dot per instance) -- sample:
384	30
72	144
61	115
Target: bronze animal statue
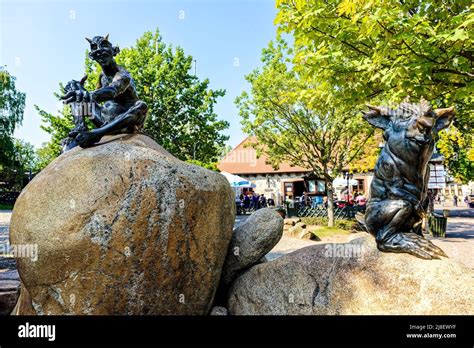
121	111
398	197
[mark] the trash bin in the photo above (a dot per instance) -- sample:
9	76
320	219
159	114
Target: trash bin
437	225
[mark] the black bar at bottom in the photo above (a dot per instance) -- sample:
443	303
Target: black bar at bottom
136	330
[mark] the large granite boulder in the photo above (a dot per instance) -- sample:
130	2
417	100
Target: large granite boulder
122	228
252	240
353	278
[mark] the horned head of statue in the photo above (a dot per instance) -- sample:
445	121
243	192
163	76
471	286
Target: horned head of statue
102	50
417	122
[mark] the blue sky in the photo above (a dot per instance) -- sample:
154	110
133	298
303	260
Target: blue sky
42	43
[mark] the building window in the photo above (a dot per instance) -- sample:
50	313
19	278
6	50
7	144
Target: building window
321	186
312	186
316	186
360	185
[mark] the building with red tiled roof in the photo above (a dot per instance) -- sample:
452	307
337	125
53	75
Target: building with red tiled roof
285	182
243	160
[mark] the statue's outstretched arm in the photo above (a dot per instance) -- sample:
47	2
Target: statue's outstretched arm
118	86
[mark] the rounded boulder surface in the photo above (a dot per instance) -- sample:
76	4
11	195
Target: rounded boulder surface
353	279
252	240
122	228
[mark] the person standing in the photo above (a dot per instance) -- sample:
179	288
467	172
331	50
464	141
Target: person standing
271	202
431	198
255	201
325	202
302	200
263	201
247	202
361	200
455	200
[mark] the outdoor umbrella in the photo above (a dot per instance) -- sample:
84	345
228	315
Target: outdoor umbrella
341	182
237	181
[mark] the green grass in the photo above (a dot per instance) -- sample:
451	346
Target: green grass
320	229
346	225
325	232
6	206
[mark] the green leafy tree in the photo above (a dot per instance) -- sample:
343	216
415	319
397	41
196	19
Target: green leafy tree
58	126
12	105
209	165
369	155
26	157
373	51
22	163
181	114
292	124
458	154
223	151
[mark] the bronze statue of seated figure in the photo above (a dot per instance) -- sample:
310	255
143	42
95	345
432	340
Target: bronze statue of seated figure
398	193
113	108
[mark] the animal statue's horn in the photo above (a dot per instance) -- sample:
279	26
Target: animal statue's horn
106	37
442	112
374	108
89	40
83	80
425	121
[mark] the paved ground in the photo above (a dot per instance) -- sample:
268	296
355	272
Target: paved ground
6	263
9	279
460	211
459	241
240	218
5	216
287	245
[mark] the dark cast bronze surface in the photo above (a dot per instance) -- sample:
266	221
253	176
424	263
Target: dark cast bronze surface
113	108
398	197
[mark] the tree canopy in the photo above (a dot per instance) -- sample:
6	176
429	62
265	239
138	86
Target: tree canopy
25	157
181	114
370	51
290	127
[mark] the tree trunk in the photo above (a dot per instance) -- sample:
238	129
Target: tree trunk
330	193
